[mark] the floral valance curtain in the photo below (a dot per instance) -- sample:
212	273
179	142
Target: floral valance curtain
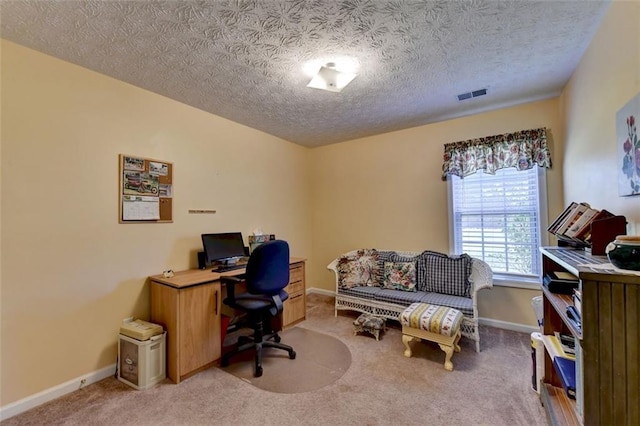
521	150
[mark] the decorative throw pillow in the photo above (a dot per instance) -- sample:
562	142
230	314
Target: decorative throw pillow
359	269
421	268
400	276
390	256
449	275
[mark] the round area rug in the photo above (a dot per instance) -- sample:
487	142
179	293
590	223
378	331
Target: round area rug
320	360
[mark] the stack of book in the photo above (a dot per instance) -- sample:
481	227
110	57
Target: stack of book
566	369
573	225
577	300
560	282
574	316
561	350
567	343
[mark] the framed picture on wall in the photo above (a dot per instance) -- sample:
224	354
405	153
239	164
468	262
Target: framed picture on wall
628	148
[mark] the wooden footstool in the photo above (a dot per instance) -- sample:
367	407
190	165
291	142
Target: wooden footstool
434	323
369	323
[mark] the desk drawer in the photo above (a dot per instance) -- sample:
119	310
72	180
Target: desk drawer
296	274
295	288
294	309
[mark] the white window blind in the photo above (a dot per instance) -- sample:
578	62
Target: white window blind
497	218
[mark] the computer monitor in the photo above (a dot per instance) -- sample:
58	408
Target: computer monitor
223	248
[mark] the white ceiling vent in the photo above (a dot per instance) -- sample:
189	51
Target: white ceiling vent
474	94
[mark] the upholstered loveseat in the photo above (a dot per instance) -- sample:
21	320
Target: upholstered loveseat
385	282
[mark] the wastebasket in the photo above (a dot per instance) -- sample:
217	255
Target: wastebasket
537	360
536	303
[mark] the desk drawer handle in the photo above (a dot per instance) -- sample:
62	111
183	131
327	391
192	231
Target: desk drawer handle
216	303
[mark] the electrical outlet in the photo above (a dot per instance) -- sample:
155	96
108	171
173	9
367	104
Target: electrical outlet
83	382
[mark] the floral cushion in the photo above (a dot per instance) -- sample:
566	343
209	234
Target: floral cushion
400	276
359	269
433	318
390	256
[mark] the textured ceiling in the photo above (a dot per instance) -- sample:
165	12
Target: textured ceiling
243	60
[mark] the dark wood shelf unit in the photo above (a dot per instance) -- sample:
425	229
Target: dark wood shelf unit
609	342
559	303
560	409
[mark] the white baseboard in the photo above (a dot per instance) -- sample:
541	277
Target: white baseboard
321	291
522	328
513	326
47	395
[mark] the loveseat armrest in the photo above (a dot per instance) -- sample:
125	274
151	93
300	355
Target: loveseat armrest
481	276
333	266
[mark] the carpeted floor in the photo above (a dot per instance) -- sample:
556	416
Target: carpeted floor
380	387
321	360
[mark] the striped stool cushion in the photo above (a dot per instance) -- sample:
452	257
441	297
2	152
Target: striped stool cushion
433	318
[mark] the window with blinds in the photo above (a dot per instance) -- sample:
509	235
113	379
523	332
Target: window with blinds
497	218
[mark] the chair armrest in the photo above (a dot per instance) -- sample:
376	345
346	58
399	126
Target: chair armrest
230	282
481	276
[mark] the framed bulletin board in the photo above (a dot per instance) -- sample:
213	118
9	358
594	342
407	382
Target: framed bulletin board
146	190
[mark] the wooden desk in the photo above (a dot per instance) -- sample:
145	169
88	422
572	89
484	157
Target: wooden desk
188	306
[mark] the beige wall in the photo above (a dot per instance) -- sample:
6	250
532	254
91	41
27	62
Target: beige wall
607	78
386	192
70	272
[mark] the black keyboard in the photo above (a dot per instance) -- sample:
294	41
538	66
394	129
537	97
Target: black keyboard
228	268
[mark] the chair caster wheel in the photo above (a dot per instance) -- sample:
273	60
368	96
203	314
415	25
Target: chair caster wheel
277	338
258	372
292	355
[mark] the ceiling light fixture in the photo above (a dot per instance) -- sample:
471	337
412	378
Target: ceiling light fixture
329	78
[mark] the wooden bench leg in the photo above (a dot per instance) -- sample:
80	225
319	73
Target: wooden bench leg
448	350
406	339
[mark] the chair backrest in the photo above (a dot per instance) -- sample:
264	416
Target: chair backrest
268	268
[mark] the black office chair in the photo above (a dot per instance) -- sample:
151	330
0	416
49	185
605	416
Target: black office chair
266	277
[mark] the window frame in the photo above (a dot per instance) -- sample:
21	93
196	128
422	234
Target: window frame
512	280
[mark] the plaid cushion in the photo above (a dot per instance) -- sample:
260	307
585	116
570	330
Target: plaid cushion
366	292
399	297
405	298
421	268
383	257
446	274
463	304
